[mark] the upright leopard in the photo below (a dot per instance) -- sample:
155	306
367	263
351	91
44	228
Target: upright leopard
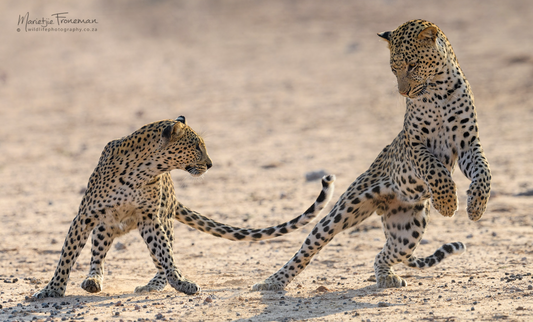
131	188
440	130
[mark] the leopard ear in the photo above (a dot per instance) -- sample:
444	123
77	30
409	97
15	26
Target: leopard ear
429	34
182	119
385	35
172	133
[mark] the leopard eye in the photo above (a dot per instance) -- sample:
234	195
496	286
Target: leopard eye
411	67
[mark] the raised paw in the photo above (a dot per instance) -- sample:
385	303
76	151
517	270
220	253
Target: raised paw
267	286
478	196
46	292
390	281
92	284
184	285
445	201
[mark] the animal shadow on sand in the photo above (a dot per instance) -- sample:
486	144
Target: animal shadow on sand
283	307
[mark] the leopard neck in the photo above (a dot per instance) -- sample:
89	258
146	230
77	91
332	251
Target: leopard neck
447	88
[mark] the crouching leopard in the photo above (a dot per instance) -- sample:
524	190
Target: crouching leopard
131	188
440	130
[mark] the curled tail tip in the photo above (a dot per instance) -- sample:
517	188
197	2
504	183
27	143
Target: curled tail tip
462	247
329	179
327	189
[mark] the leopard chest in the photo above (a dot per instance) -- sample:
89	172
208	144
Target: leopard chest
120	219
114	206
444	125
437	131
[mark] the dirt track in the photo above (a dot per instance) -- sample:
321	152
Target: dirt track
278	89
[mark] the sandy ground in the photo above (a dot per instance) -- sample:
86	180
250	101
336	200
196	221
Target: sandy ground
278	89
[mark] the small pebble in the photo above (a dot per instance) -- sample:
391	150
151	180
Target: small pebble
512	277
322	289
120	246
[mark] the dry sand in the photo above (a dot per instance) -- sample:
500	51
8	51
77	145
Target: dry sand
278	89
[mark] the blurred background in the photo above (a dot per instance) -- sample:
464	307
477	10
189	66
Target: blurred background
277	88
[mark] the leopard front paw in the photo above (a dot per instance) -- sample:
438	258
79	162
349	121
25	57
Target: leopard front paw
184	285
47	292
148	288
155	285
445	202
478	196
267	286
391	280
92	284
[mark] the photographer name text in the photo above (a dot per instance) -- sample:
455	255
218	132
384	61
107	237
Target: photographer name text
58	20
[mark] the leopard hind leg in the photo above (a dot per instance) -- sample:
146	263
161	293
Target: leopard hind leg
359	202
404	225
77	236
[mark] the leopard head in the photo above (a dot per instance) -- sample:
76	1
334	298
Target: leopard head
182	148
418	53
